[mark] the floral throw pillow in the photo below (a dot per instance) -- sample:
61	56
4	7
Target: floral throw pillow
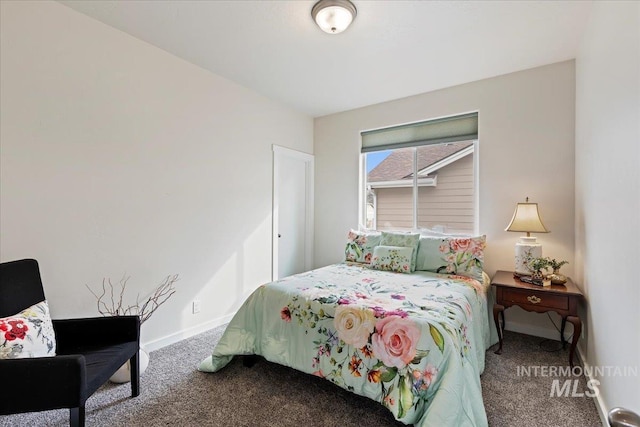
463	256
360	246
28	334
407	240
392	258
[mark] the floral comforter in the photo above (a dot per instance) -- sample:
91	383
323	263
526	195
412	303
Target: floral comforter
413	342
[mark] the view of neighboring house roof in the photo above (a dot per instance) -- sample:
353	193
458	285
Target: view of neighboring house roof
399	164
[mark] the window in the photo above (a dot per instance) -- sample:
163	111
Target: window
417	182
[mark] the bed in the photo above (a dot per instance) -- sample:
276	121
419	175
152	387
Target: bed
413	342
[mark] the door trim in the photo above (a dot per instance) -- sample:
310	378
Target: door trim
278	152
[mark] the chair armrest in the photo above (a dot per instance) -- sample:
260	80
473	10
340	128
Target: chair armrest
81	334
42	383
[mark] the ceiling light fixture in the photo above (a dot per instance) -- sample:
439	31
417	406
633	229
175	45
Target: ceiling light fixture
333	16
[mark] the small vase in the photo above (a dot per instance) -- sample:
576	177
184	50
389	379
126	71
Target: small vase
537	275
557	278
123	374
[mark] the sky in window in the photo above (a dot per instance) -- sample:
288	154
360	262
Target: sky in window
375	158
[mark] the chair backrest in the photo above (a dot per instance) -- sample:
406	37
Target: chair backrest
20	286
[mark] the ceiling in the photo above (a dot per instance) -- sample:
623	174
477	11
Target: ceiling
392	50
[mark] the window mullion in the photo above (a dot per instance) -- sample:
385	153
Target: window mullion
363	189
415	188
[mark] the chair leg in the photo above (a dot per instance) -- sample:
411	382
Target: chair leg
76	416
134	363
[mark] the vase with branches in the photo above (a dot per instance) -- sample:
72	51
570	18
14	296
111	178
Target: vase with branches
556	265
111	302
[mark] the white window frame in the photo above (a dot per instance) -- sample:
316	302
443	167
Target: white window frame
362	190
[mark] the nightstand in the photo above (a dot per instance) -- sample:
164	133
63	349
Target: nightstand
563	299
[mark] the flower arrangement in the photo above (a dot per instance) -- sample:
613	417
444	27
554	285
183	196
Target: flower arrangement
144	310
555	277
538	264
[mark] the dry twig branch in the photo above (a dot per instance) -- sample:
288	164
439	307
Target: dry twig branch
116	308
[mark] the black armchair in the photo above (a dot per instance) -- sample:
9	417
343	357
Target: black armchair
88	352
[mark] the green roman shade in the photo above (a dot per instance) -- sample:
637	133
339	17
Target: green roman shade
448	129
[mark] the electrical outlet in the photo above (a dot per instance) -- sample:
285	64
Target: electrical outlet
196	306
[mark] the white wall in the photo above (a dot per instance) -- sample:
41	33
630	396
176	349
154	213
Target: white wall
117	157
526	148
608	193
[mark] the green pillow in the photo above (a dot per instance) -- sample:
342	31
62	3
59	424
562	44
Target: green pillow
392	258
407	240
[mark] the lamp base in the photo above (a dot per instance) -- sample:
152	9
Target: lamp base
525	252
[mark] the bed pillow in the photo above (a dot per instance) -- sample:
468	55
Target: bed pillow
407	240
27	334
392	258
452	255
360	245
434	233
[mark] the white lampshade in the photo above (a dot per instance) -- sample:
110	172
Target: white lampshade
333	16
526	219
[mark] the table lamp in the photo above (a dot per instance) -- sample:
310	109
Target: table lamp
526	218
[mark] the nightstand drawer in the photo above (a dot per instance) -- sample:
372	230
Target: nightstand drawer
528	297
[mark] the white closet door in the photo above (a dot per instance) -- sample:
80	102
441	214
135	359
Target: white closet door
292	212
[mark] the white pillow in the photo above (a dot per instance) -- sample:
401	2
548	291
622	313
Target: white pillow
428	232
28	334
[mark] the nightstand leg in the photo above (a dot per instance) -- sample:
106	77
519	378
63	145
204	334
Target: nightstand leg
562	340
497	309
577	330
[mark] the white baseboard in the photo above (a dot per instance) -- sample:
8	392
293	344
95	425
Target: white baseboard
597	399
185	333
